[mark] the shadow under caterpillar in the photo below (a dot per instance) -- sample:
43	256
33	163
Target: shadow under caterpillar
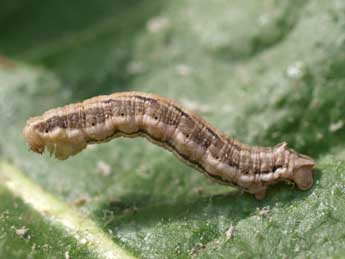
65	131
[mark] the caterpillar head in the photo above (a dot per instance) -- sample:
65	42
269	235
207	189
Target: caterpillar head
41	134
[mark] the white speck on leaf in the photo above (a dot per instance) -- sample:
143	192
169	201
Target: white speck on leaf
157	24
21	231
229	232
333	127
295	70
103	168
264	19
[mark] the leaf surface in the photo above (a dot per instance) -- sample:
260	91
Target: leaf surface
262	71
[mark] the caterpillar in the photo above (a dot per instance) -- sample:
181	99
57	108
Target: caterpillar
65	131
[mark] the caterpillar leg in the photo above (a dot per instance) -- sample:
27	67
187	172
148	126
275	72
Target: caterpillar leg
259	195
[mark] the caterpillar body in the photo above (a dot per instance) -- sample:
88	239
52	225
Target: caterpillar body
65	131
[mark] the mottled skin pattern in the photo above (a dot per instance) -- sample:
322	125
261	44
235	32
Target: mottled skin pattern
67	130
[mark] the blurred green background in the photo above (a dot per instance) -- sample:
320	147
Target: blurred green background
262	71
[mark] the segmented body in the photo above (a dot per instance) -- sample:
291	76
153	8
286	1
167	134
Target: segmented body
67	130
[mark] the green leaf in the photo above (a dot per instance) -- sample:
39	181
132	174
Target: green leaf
262	71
